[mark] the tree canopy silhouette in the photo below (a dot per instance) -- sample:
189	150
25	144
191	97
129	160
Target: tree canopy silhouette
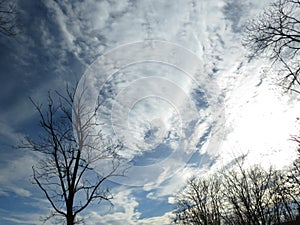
239	196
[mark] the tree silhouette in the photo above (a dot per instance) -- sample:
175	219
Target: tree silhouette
71	148
200	202
256	196
276	34
239	196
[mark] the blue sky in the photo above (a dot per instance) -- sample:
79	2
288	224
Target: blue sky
177	123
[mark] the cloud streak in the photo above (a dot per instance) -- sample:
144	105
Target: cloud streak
237	108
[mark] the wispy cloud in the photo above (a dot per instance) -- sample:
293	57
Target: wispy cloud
239	108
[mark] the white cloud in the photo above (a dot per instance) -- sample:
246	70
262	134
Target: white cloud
123	211
260	119
256	119
16	176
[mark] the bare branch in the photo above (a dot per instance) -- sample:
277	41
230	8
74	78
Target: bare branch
7	18
276	35
66	174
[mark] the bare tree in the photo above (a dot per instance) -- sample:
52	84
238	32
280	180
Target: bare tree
285	197
199	203
71	147
239	196
7	18
256	196
276	34
292	177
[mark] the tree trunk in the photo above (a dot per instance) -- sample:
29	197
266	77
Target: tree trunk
70	219
70	216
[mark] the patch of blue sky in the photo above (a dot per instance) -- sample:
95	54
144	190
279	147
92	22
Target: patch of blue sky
154	156
149	205
16	203
204	137
199	98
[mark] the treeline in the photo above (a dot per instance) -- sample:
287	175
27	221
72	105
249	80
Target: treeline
240	196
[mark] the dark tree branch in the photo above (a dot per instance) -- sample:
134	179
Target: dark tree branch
276	35
7	18
66	175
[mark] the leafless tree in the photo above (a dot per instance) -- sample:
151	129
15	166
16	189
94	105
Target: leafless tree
276	34
285	197
292	177
199	203
239	196
71	148
256	196
7	18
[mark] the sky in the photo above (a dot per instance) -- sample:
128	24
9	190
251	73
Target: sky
178	89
